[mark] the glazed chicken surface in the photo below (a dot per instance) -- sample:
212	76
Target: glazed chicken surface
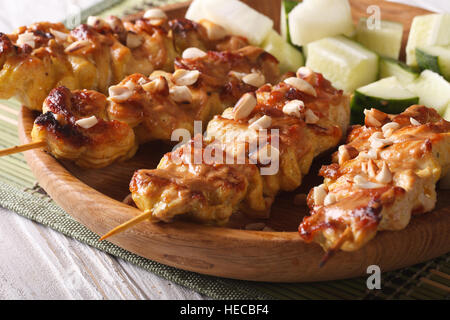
92	130
386	173
292	121
206	192
200	88
96	55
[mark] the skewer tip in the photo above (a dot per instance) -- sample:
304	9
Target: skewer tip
22	148
346	235
128	224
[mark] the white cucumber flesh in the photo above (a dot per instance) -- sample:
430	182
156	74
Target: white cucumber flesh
290	58
346	63
426	31
313	20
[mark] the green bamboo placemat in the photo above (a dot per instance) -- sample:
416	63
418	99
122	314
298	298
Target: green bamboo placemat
20	193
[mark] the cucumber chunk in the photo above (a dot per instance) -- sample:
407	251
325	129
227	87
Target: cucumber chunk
436	59
312	20
387	95
426	31
289	57
386	40
235	16
195	11
346	63
286	8
239	19
447	113
433	90
403	73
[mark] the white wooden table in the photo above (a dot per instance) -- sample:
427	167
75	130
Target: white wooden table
39	263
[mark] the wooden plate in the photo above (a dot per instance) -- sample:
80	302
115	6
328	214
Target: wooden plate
93	198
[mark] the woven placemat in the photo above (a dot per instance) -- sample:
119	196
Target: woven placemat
20	193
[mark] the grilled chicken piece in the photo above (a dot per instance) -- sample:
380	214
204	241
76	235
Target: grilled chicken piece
151	107
199	89
95	143
42	56
230	174
386	173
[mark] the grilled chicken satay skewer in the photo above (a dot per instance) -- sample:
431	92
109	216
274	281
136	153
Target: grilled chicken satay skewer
96	55
305	114
86	127
385	174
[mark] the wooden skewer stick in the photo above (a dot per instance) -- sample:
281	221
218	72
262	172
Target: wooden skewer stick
130	223
346	235
25	147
